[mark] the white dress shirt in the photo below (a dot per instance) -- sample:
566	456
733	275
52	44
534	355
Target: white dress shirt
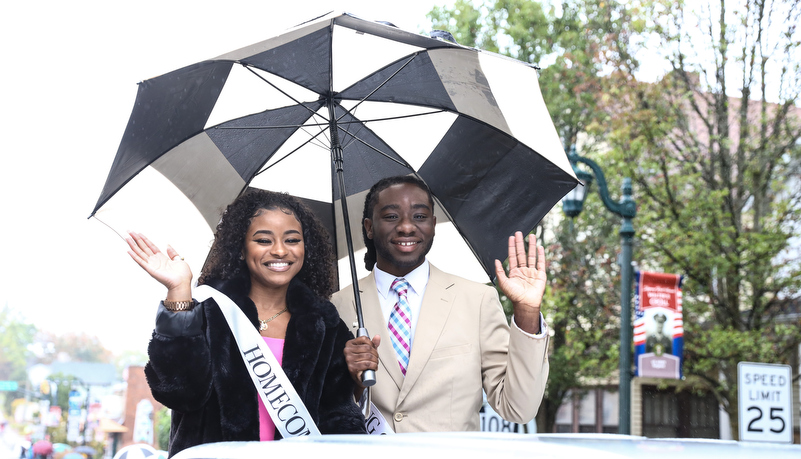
417	279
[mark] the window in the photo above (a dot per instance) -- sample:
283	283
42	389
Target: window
666	414
588	411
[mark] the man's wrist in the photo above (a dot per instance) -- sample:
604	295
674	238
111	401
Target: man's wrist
528	320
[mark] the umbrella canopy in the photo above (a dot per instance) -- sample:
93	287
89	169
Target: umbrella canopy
136	451
60	447
326	109
85	449
42	447
74	455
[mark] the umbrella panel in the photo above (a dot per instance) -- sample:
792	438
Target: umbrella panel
136	451
469	160
42	447
85	449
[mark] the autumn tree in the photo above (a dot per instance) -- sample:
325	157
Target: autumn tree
76	347
713	148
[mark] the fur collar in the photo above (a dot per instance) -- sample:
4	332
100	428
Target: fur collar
301	300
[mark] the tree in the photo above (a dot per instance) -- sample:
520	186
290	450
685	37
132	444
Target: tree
714	150
466	23
15	336
129	358
162	427
76	347
576	45
582	305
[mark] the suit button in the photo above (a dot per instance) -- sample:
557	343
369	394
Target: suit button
398	417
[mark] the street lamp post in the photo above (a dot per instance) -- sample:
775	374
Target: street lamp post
572	205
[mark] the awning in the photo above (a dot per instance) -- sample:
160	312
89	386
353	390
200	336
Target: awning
109	426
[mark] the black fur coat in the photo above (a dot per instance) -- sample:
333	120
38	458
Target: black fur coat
196	370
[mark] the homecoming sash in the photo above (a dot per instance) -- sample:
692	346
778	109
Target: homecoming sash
373	419
286	409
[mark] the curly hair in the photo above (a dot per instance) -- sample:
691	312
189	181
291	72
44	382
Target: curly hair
371	200
224	261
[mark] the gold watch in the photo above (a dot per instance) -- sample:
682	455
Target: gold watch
179	305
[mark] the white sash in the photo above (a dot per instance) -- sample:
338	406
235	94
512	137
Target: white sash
286	409
374	422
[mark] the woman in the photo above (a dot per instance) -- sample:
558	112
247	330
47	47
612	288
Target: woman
273	259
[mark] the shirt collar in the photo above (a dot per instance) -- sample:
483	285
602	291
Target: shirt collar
417	278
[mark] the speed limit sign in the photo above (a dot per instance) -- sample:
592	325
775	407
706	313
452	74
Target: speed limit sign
765	395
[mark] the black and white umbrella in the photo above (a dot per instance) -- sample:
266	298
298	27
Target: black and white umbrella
342	97
136	451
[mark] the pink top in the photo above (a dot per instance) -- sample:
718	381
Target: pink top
266	426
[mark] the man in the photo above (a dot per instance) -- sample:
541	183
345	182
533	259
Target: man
658	342
459	340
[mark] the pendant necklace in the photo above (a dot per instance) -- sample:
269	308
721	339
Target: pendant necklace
263	323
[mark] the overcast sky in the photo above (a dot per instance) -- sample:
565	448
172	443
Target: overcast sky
69	82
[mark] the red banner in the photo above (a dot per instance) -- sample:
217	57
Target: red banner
658	325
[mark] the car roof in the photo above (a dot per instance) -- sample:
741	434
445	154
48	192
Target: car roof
485	444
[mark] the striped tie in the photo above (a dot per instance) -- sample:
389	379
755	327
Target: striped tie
400	324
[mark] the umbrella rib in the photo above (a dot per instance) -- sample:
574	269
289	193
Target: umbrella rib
409	61
291	152
368	145
285	126
390	118
313	112
359	121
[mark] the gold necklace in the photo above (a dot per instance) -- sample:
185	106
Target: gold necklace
263	323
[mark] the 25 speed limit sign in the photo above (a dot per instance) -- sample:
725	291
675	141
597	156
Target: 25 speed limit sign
765	401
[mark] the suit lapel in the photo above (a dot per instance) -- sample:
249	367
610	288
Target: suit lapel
434	312
375	324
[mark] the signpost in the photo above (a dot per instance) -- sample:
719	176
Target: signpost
9	385
765	401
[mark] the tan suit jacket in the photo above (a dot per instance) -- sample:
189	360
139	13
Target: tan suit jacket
462	343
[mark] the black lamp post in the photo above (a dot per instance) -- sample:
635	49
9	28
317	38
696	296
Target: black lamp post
627	210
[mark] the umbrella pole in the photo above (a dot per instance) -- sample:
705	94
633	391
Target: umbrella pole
368	376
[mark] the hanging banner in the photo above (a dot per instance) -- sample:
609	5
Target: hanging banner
74	416
658	325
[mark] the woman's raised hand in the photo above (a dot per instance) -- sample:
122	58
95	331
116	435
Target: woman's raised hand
170	270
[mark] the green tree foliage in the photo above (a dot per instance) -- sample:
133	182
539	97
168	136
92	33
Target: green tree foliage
163	420
582	305
714	150
466	23
576	45
128	359
63	385
15	337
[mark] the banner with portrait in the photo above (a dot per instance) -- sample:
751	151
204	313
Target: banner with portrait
658	325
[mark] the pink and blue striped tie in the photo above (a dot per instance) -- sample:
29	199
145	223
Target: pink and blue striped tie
400	324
